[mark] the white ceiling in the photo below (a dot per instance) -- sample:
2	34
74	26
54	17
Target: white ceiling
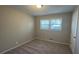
46	9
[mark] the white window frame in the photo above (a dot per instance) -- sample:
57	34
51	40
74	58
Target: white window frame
56	30
59	29
44	24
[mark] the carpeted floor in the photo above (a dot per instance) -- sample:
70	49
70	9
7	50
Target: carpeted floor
41	47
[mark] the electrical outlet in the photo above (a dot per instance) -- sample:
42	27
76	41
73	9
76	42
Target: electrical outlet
16	42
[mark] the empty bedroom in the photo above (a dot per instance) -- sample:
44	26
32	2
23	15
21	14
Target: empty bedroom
39	29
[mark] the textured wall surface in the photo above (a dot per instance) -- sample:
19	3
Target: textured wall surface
15	27
62	36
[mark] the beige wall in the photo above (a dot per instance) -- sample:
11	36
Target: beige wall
60	37
15	26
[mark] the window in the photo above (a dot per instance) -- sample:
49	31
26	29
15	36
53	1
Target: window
56	24
44	24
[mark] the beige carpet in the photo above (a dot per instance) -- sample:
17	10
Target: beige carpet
41	47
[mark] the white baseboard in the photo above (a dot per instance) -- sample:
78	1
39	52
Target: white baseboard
27	42
53	41
15	46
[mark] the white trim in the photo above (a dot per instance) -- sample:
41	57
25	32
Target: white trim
15	46
53	41
27	42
